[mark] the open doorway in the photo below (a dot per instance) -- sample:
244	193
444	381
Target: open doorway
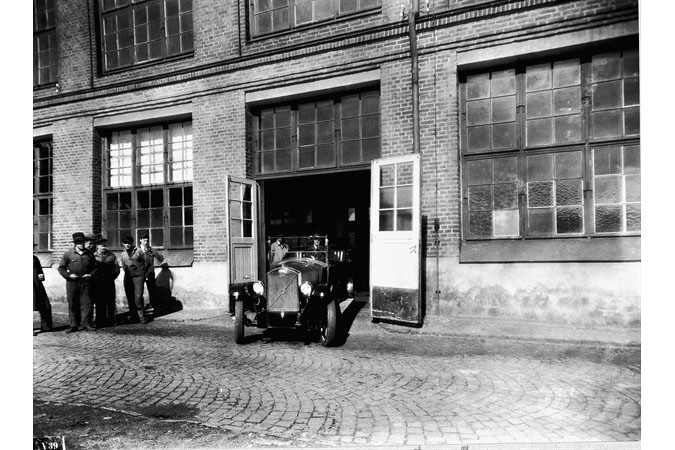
335	204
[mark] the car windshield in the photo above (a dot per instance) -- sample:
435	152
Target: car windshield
315	247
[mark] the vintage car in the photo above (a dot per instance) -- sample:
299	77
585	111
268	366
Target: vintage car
302	291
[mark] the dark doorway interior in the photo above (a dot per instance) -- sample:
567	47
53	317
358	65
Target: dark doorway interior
333	204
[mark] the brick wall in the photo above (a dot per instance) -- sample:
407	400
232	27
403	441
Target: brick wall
219	125
74	198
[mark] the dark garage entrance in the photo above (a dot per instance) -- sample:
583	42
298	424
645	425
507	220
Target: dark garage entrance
335	204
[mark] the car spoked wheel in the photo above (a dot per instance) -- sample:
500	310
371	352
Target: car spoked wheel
239	318
328	329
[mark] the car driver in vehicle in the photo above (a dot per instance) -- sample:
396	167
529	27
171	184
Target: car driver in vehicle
317	249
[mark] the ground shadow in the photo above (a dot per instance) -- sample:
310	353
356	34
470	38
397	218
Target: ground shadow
348	316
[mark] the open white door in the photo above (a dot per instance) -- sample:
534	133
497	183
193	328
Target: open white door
395	240
242	212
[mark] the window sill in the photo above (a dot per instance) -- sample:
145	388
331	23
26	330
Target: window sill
598	249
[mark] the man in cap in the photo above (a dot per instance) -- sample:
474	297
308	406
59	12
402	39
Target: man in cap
77	266
104	284
317	248
40	299
133	264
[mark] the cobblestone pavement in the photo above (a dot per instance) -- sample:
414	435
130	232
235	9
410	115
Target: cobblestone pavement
379	388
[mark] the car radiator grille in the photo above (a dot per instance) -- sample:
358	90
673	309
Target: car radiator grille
283	292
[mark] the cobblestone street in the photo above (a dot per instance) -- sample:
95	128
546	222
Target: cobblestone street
379	388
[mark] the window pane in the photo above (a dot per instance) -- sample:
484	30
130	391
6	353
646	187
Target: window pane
608	189
306	157
404	197
539	132
504	135
607	160
538	77
539	194
631	91
606	67
283	160
608	218
504	109
478	112
540	221
633	217
505	196
478	86
351	152
506	223
566	73
371	149
540	167
479	138
631	159
480	224
569	220
371	126
480	172
539	104
387	197
387	220
350	129
143	218
567	101
607	95
632	121
568	129
568	165
176	236
633	188
506	169
480	198
503	83
404	220
568	192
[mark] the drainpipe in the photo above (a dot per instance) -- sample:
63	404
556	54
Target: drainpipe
412	35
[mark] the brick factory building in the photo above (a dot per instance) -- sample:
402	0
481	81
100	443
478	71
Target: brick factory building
481	157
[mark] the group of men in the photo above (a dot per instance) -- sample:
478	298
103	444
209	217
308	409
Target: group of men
90	271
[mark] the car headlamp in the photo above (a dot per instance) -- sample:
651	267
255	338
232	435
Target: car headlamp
258	288
306	288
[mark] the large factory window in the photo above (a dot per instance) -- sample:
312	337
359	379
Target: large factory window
551	149
270	16
135	32
148	185
45	62
318	134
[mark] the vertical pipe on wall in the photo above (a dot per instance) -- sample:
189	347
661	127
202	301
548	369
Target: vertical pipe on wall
412	35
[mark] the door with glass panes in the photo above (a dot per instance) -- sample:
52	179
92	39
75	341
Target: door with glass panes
395	240
242	201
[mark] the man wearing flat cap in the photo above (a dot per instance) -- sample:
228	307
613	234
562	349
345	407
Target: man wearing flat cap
104	284
77	266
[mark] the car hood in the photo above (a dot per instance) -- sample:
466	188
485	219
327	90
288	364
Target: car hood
309	269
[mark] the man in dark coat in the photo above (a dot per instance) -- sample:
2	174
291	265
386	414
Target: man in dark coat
40	299
77	266
104	284
149	256
133	264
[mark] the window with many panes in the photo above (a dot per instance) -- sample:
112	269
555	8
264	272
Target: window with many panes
148	185
551	149
45	63
334	132
270	16
42	195
137	31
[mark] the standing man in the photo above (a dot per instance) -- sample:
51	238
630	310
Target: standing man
133	264
77	267
104	284
40	299
149	256
278	249
90	246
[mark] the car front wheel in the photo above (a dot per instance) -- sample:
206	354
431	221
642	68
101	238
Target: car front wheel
239	317
329	330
